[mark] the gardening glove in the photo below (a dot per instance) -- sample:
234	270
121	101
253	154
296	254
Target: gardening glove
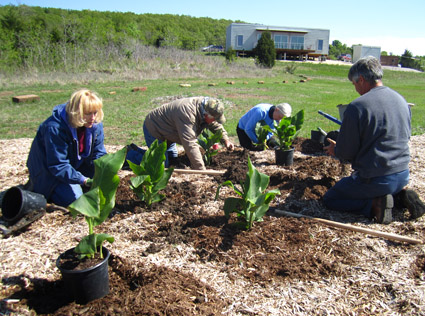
272	142
88	182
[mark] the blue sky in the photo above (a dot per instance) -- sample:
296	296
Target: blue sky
392	25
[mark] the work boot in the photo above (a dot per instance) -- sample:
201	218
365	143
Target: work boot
410	200
382	209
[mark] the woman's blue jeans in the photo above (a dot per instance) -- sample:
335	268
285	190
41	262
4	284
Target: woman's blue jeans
355	194
171	150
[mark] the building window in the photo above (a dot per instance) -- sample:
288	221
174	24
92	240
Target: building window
239	40
320	45
297	42
281	41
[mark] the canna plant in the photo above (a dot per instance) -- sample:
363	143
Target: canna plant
287	129
151	175
96	204
208	140
262	134
253	201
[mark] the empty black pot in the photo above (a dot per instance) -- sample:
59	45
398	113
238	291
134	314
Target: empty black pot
17	202
317	136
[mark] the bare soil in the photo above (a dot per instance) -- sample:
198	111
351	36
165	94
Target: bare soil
183	257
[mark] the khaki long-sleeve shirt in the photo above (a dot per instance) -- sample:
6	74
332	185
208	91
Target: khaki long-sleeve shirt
182	121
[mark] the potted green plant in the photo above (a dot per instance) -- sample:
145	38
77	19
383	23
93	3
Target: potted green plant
84	268
285	132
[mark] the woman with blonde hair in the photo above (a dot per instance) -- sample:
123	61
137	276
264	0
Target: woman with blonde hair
61	158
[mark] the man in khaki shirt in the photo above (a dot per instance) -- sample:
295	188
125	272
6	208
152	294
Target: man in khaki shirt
182	121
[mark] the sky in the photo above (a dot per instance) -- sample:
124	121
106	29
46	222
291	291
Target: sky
392	25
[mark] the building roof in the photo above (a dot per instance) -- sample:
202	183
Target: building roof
263	27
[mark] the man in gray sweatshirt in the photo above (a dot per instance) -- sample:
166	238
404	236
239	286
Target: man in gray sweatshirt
374	138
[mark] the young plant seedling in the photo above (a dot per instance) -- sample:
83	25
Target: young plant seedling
207	140
262	134
287	129
254	200
96	204
151	176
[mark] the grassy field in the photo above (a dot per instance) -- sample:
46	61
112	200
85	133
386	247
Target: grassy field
326	87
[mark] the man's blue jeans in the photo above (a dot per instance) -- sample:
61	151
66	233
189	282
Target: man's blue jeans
355	194
171	150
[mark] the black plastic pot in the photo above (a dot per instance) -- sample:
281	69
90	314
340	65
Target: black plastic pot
317	136
284	157
88	284
17	202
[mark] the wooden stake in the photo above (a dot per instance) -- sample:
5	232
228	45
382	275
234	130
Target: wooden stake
354	228
207	172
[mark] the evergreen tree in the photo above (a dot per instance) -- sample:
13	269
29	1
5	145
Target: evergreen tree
265	50
230	55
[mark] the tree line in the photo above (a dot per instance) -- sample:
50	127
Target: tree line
50	39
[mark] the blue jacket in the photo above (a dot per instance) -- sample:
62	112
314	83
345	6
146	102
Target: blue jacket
258	113
54	155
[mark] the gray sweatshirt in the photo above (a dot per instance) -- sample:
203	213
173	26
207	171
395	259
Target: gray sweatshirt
375	132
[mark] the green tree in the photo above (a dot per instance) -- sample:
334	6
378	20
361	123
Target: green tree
337	48
265	51
408	61
230	55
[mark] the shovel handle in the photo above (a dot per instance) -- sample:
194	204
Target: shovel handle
330	117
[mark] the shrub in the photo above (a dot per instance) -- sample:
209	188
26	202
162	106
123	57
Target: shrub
265	50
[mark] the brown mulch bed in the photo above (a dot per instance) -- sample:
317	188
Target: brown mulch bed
182	257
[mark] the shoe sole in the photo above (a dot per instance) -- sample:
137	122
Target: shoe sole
414	204
388	212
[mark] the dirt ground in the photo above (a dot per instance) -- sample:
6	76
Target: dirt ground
182	257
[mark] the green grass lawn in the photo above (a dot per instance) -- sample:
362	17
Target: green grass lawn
326	87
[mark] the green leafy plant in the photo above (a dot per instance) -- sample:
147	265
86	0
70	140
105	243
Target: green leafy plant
262	134
151	175
287	129
207	141
96	204
254	200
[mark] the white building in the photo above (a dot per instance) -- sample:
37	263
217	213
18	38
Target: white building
360	51
290	42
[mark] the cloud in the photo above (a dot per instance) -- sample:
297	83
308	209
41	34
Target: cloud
394	45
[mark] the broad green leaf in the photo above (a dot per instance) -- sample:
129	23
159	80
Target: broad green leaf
87	245
140	180
231	205
90	244
88	204
153	160
137	169
257	182
162	183
101	238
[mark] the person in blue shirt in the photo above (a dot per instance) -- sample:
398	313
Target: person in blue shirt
262	113
61	157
